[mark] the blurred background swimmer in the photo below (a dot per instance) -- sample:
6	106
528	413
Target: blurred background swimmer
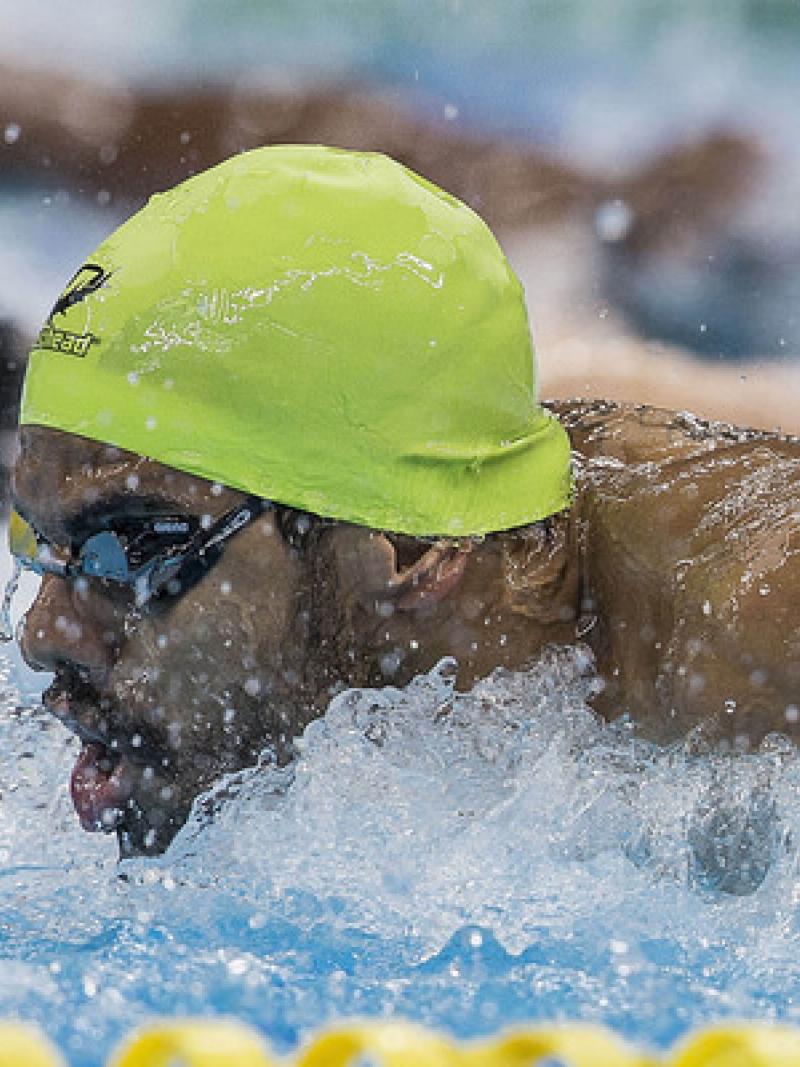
637	163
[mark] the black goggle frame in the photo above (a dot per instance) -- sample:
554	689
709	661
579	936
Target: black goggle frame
119	557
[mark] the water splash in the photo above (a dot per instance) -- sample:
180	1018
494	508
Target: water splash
12	585
464	859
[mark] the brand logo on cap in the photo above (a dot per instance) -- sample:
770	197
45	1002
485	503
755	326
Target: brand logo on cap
83	283
88	279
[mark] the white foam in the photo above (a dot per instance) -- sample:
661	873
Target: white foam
421	810
445	831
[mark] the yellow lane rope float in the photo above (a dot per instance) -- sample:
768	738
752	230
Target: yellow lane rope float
220	1043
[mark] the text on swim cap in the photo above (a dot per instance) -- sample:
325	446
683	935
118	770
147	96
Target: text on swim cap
70	344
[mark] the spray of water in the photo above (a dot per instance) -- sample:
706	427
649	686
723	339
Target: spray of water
12	585
465	859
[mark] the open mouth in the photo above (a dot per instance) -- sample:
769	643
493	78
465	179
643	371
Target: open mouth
121	781
102	779
101	787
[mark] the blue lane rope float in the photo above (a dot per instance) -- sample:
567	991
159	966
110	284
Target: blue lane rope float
222	1043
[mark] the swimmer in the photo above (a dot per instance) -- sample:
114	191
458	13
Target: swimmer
287	440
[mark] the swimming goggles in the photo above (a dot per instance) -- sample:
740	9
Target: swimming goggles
151	555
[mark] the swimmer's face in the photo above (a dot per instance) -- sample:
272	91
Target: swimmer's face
168	697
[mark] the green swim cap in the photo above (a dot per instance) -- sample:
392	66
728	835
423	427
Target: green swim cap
320	327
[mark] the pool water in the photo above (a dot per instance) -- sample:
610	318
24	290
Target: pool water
464	860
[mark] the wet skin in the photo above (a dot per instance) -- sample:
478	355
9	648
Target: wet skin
677	564
690	566
197	685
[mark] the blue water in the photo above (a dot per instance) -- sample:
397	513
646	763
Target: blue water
467	861
509	859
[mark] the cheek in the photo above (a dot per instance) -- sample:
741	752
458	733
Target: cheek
200	672
177	672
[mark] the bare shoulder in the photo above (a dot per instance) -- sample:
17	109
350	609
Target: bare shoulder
701	483
642	433
691	544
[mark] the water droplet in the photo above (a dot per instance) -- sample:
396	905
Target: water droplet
613	220
390	663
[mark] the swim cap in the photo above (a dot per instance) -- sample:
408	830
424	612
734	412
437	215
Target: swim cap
320	327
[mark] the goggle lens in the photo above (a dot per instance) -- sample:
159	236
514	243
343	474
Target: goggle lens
31	551
102	556
22	540
147	562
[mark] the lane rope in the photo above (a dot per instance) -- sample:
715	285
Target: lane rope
223	1043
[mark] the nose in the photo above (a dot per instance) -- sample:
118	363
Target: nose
67	624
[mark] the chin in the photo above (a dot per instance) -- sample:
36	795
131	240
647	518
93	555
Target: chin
148	832
114	793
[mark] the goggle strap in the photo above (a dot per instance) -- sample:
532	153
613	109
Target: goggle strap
202	552
230	523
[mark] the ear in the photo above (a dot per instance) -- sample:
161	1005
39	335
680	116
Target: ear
366	566
432	578
540	573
